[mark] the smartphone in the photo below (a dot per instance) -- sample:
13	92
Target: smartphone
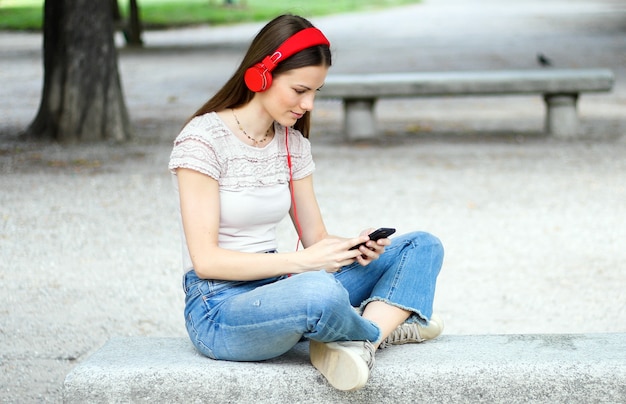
383	232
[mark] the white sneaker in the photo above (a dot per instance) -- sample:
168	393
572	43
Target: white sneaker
345	364
414	332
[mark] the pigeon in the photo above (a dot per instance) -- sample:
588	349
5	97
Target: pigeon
543	60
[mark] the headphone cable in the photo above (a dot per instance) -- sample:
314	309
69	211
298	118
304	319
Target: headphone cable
293	197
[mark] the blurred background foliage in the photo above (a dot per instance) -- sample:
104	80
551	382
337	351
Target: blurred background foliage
159	14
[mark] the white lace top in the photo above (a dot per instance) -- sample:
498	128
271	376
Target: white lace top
254	182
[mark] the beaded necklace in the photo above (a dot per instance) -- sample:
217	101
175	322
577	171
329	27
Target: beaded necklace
256	142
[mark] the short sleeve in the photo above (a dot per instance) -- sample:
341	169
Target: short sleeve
301	156
194	151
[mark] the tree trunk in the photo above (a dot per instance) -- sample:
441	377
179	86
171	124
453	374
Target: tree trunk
82	96
115	8
134	29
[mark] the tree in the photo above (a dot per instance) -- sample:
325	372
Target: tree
82	97
133	31
132	28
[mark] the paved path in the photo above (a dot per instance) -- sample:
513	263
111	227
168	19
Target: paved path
534	228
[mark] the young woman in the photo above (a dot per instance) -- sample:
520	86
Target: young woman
243	162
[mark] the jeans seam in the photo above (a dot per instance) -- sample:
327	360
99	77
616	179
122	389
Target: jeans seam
401	265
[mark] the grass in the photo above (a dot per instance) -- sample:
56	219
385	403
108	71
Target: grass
27	14
21	14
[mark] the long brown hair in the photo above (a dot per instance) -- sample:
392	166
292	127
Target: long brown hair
235	93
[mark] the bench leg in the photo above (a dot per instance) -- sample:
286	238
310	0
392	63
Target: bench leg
561	115
359	119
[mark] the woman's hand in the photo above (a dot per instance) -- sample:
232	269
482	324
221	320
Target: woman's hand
332	253
372	249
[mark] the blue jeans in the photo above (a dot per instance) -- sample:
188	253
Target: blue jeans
257	320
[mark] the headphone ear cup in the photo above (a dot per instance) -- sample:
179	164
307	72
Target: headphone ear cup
258	78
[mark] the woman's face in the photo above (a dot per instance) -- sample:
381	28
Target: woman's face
292	93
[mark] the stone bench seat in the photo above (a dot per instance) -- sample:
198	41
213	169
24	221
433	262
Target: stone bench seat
559	87
572	368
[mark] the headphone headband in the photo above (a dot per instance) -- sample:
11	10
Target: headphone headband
299	41
258	78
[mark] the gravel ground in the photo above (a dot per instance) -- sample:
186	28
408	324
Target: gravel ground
533	227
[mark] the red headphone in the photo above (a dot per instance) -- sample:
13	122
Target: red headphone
258	78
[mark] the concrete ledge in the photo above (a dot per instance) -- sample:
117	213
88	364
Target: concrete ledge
452	369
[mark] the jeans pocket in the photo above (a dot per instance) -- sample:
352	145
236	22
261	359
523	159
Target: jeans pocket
217	286
190	284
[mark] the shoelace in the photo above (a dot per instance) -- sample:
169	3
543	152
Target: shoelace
369	347
406	333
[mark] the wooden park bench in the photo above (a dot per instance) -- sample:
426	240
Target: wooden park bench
560	89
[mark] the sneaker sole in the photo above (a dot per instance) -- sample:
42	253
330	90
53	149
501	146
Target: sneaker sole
344	369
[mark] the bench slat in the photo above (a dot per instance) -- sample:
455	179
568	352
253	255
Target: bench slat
547	81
